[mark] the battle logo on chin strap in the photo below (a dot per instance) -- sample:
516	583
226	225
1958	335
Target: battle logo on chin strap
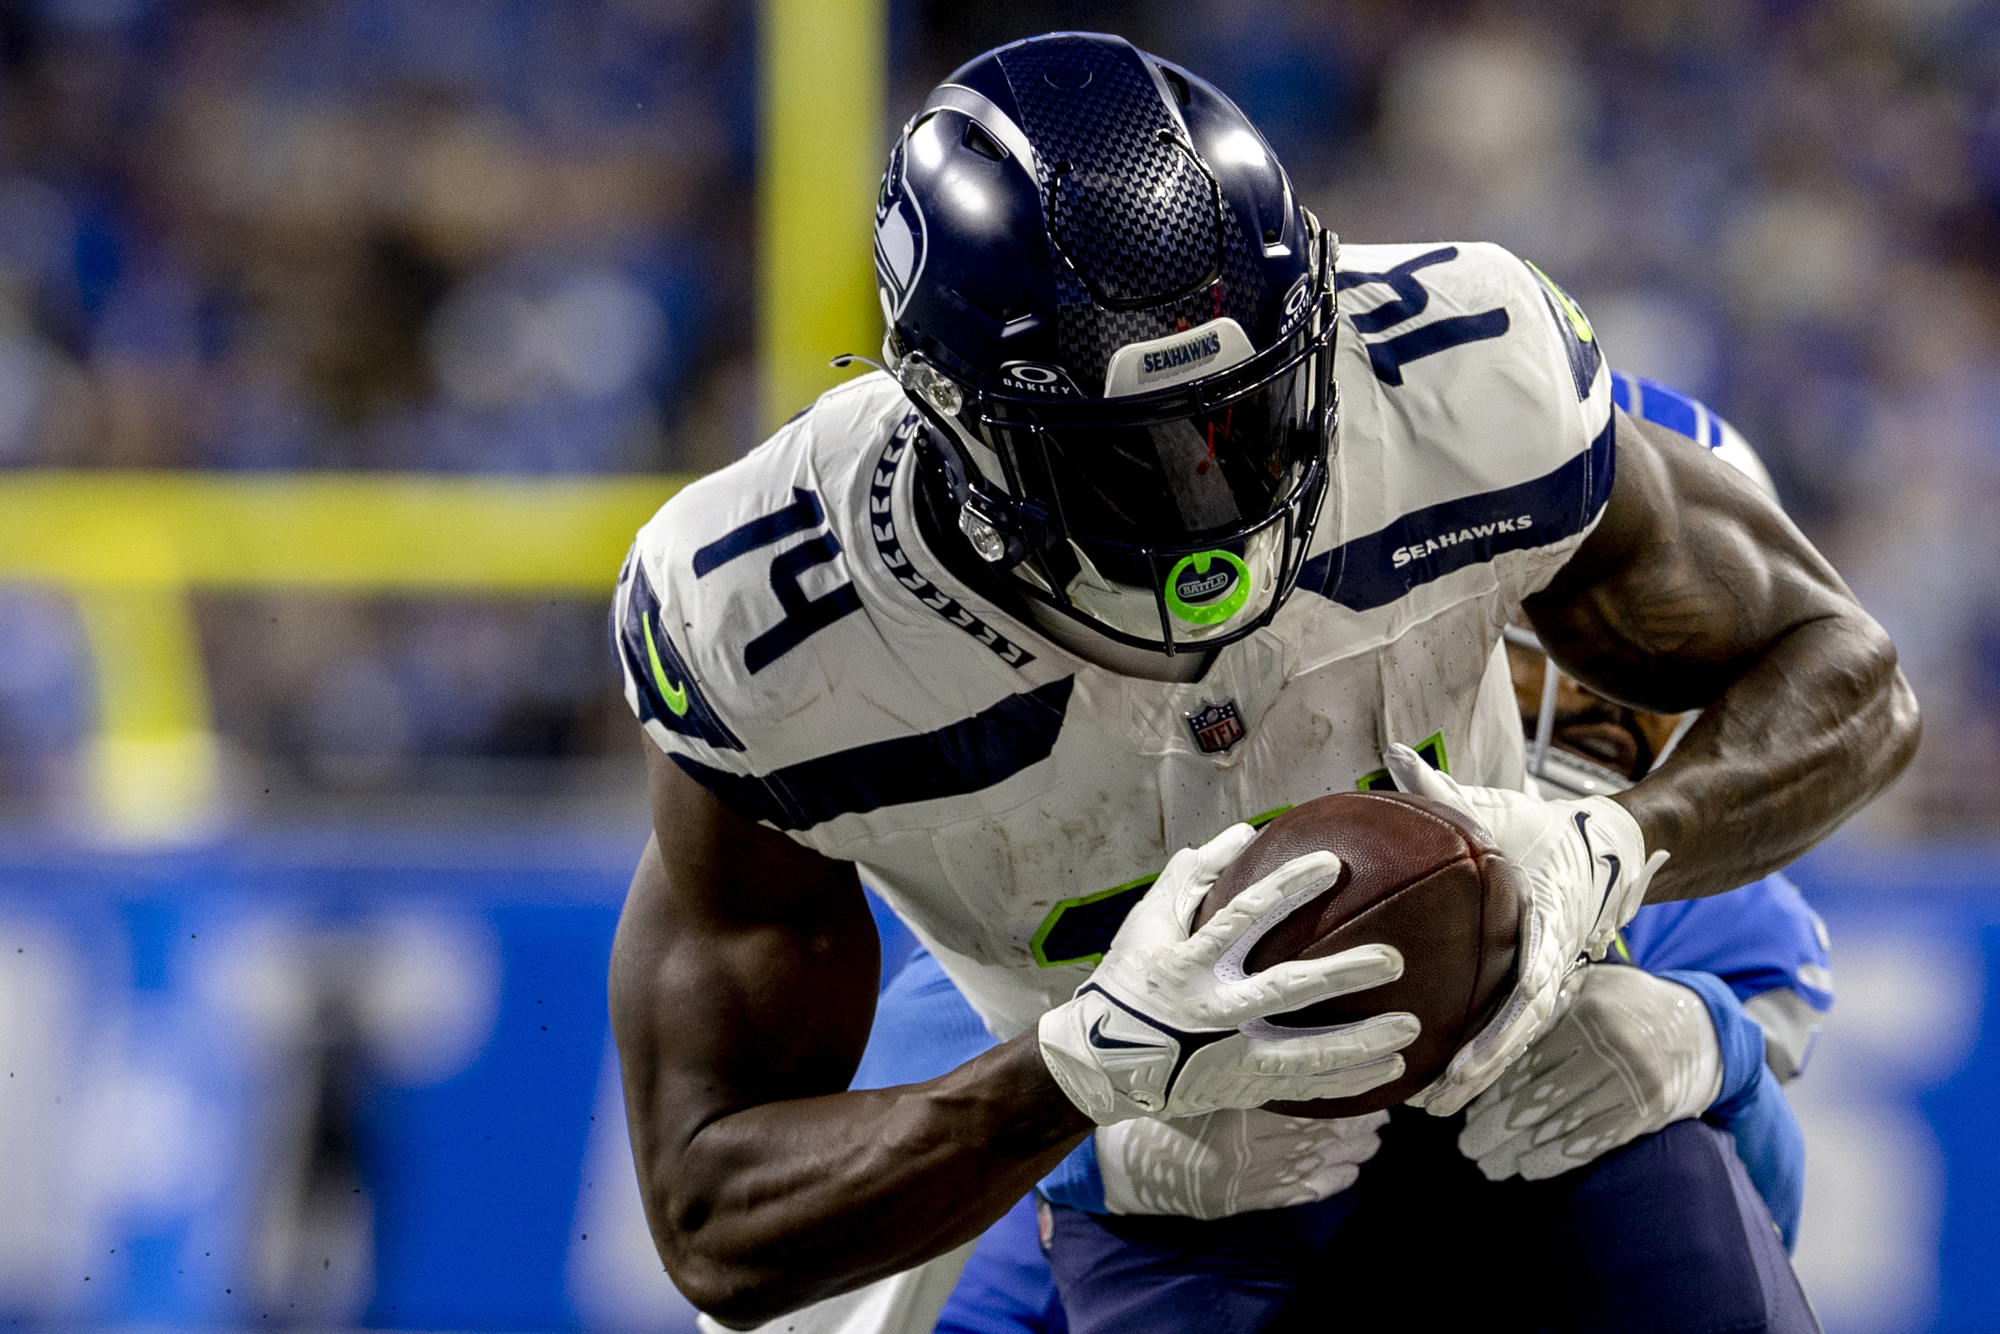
1208	587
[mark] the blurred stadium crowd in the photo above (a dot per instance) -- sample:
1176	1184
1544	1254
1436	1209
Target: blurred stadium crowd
507	235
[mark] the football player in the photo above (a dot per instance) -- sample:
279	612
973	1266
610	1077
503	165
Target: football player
1092	571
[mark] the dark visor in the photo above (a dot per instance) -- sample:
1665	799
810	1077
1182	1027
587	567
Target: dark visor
1164	482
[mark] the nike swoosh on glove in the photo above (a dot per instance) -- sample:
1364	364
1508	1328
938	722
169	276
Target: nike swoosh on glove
1171	1026
1587	869
1631	1054
1232	1162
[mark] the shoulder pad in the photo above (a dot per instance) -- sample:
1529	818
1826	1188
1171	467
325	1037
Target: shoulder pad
1475	422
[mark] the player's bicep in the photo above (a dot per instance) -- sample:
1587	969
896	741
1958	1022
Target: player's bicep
1690	574
744	969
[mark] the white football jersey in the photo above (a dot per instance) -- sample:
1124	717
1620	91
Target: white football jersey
790	642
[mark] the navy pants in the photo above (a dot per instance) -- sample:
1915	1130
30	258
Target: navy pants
1663	1236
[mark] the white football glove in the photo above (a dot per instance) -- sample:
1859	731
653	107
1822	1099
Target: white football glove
1631	1054
1232	1162
1586	868
1170	1025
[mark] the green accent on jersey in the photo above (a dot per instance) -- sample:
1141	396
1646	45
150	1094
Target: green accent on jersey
1036	946
1578	321
1624	951
1039	945
1430	749
675	696
1209	613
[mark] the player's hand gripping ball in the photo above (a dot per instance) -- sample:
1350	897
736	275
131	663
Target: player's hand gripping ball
1172	1024
1416	877
1586	868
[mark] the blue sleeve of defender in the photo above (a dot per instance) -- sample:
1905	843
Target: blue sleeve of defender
1075	1180
923	1029
1756	938
1751	1106
1772	1149
1664	405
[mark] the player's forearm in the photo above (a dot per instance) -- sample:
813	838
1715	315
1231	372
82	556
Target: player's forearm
1817	728
783	1204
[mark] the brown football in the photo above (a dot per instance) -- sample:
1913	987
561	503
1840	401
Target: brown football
1414	874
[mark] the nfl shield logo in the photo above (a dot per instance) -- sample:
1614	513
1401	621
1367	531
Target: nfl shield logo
1216	727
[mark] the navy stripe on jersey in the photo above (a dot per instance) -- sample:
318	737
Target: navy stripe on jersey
987	748
1375	570
882	522
802	515
658	669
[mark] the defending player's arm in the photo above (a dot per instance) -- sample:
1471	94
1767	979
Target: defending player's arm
1632	1053
742	986
1696	592
1693	591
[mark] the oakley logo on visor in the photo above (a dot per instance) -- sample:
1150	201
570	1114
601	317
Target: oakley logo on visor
1297	301
1158	363
1033	377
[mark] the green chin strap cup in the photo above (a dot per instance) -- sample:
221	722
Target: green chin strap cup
1192	577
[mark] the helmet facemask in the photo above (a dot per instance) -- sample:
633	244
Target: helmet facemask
1167	520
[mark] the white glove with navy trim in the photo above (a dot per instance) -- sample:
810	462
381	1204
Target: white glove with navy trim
1171	1026
1231	1162
1631	1054
1586	866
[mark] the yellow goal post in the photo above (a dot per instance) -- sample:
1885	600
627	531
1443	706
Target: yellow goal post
130	548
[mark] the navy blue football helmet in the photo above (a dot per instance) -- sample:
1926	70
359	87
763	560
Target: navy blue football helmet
1118	319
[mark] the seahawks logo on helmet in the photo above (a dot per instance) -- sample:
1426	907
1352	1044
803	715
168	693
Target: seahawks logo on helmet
900	239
